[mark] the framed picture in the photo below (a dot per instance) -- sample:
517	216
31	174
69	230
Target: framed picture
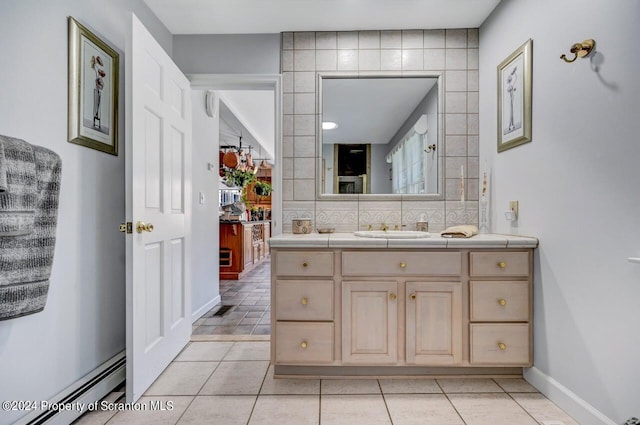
93	90
514	98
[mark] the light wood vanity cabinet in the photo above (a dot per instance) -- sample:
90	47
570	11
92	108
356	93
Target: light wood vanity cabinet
402	308
500	308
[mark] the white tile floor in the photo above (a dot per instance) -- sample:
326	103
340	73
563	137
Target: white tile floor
229	383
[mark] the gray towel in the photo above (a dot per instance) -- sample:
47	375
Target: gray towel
17	187
26	254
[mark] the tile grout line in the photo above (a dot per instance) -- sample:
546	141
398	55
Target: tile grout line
450	402
258	394
384	400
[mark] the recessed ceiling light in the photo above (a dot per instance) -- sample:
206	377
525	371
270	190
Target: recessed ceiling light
329	125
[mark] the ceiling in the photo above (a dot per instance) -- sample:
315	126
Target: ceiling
275	16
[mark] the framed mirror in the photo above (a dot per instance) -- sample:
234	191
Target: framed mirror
379	136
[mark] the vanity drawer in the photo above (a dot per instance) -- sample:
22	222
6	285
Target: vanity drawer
500	301
307	343
304	263
304	300
499	263
500	344
401	263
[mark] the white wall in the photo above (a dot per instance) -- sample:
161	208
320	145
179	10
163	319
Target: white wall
83	323
227	53
577	183
380	182
205	291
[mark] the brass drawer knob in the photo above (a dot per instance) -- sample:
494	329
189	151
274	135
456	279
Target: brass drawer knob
502	302
502	346
403	265
412	297
305	264
502	264
392	297
303	344
304	301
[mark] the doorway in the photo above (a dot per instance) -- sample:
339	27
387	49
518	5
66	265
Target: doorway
242	306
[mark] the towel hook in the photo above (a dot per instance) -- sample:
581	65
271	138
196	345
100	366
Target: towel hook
430	148
580	50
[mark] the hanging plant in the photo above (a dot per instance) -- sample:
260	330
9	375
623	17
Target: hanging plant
239	178
262	188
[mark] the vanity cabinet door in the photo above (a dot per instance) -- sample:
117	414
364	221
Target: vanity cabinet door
434	323
369	322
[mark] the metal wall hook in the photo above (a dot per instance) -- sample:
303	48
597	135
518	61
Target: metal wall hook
580	50
430	148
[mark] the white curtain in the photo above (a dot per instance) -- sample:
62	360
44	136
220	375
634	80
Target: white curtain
408	165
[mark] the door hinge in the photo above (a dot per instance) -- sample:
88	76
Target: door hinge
126	227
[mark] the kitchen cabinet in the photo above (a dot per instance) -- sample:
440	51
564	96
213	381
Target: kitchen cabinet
243	246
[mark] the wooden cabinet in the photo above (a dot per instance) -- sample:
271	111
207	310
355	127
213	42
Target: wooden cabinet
434	323
500	307
406	308
369	322
302	320
242	247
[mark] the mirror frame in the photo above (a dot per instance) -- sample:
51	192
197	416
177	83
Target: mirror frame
381	196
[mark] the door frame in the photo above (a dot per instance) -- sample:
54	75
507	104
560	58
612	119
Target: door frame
272	82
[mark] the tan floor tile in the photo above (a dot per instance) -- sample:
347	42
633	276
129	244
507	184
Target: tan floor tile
289	386
409	386
469	385
251	350
204	351
543	409
227	410
421	409
350	386
182	378
286	410
232	378
101	417
151	415
490	409
515	385
353	410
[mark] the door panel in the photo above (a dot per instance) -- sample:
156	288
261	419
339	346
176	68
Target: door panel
158	184
434	323
369	322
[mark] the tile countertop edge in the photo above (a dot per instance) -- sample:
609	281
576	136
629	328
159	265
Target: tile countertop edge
348	240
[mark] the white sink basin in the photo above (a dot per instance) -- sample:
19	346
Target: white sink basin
392	234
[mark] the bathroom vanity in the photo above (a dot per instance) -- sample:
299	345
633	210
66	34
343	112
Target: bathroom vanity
344	305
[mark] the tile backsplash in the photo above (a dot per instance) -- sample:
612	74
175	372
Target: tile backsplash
451	52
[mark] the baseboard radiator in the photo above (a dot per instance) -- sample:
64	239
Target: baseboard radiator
89	389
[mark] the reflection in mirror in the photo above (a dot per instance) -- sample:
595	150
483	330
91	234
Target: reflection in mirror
379	135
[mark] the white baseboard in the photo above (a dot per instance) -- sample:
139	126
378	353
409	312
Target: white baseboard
202	310
89	389
567	400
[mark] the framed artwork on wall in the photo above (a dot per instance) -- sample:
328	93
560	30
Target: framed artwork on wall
93	91
514	98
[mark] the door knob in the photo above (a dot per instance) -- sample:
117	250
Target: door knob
392	297
141	226
412	297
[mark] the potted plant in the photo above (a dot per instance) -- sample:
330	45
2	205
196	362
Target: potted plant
239	178
262	188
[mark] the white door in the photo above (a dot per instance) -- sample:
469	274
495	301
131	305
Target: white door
158	179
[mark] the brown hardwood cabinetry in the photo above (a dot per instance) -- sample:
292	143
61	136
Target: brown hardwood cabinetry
243	245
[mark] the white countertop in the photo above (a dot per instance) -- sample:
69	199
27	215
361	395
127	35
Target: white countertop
349	240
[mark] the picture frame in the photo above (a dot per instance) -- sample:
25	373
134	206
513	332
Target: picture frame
93	90
514	98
